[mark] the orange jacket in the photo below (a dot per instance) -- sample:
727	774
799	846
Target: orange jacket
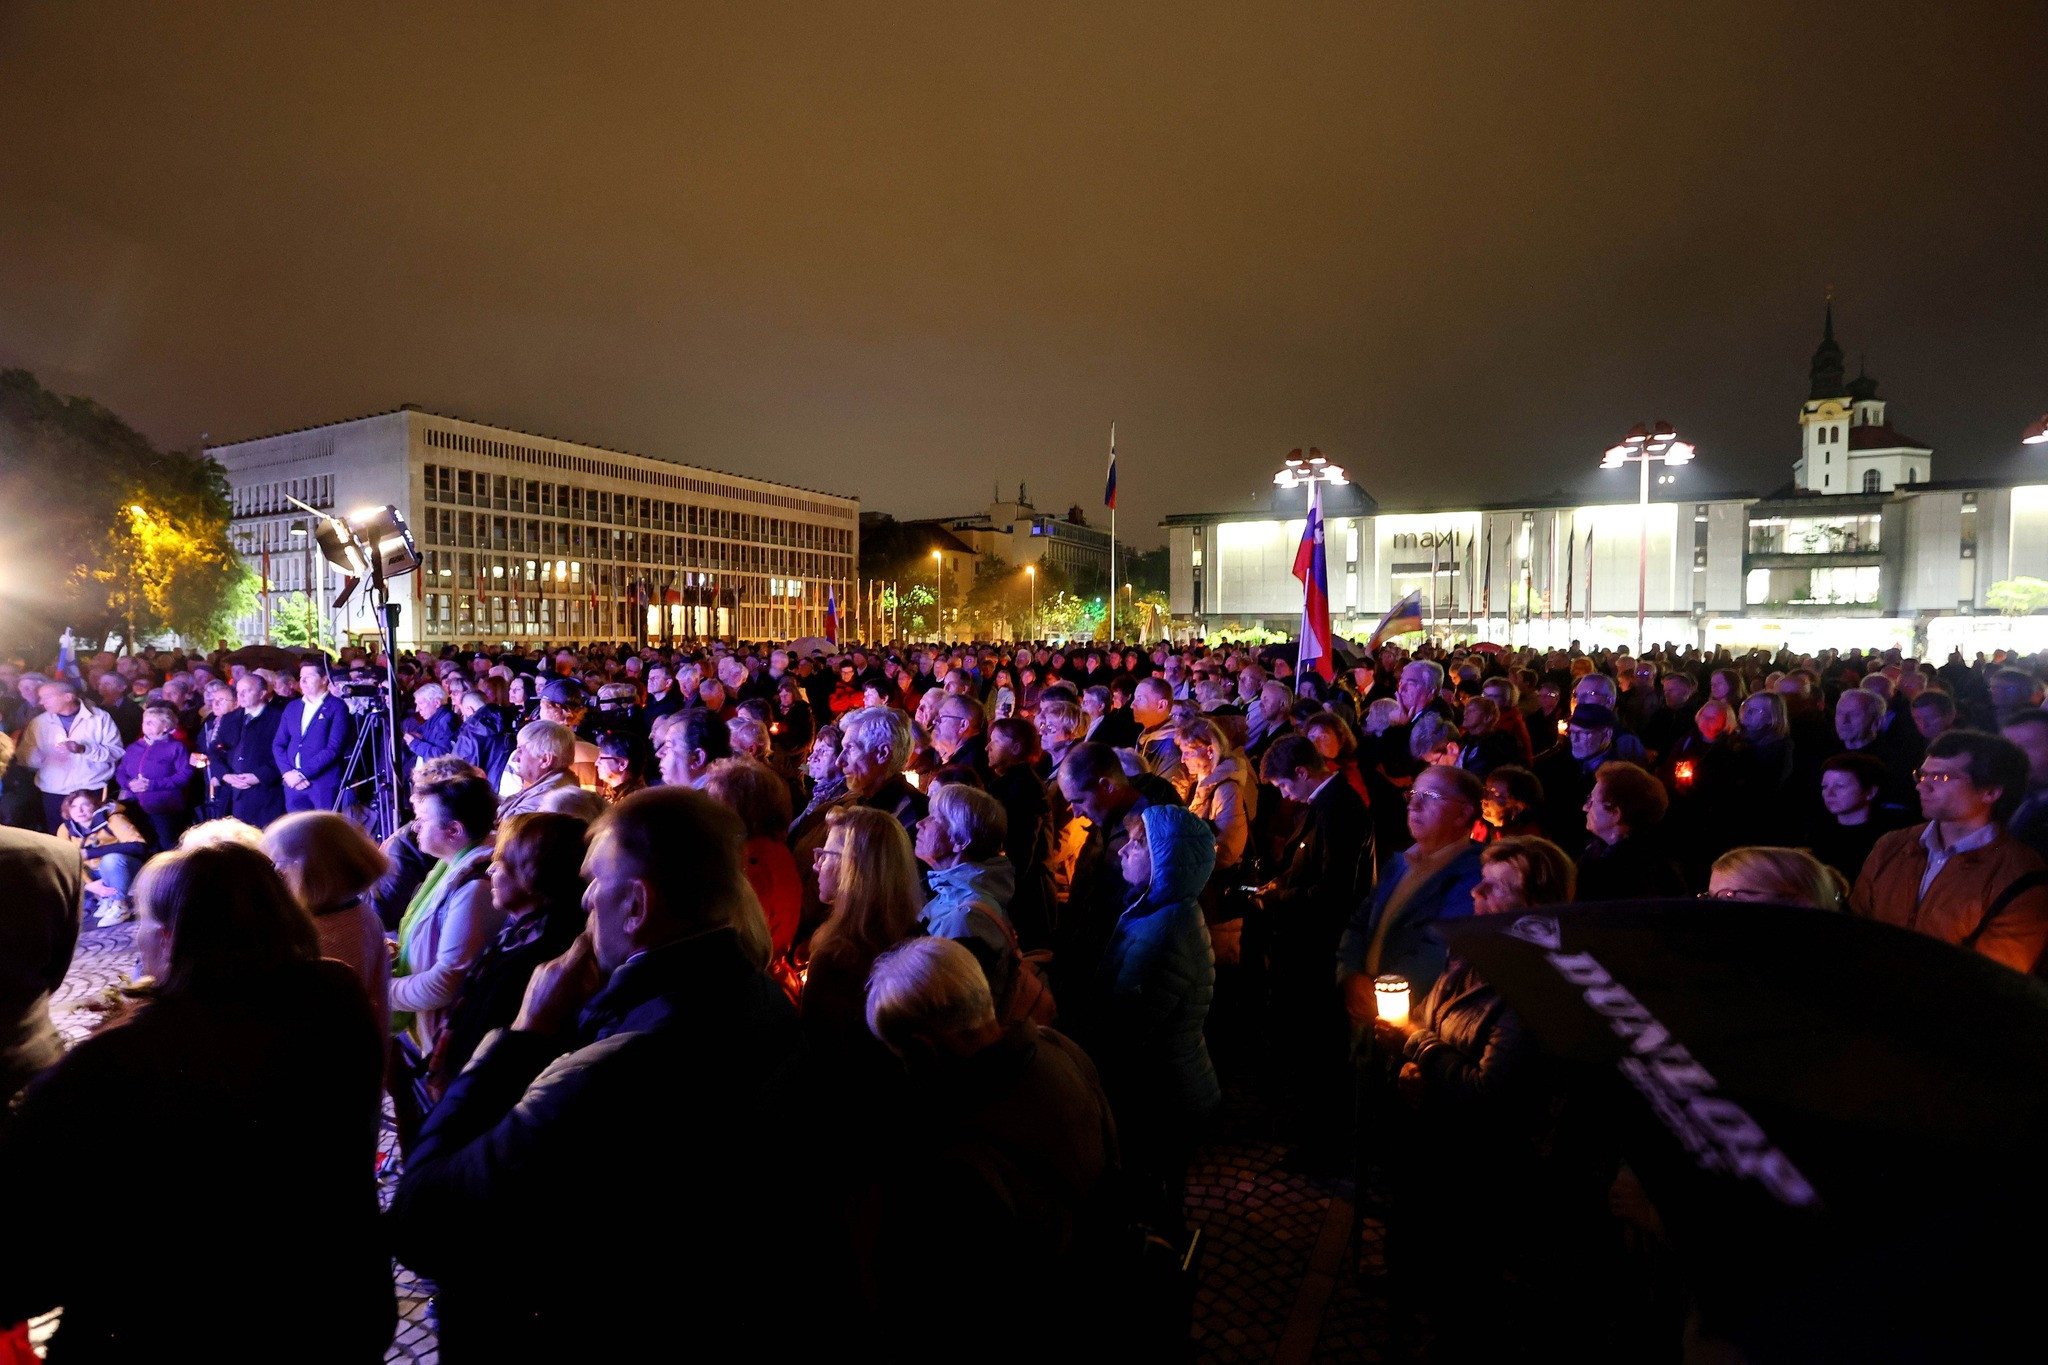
1888	890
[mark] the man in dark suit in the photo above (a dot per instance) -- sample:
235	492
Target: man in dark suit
312	743
1327	868
39	916
242	758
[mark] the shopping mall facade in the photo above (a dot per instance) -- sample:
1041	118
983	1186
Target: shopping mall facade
1863	547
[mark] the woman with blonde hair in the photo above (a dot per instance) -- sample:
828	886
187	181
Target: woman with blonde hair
1781	876
867	874
330	864
1225	793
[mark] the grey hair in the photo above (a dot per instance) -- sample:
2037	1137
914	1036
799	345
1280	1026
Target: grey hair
1603	682
433	691
548	737
873	726
975	821
927	985
1431	668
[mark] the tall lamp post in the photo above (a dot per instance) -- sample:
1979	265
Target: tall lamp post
1645	446
939	593
1031	572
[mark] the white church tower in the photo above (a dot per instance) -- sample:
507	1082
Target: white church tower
1845	444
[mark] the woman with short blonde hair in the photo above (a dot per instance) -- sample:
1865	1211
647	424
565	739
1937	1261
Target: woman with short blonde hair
1781	876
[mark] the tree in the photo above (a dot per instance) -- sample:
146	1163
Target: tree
299	623
2018	596
1146	571
106	532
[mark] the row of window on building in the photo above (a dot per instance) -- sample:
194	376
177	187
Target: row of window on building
263	499
498	492
458	616
486	531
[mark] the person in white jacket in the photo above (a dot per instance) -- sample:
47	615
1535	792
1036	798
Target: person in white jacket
72	747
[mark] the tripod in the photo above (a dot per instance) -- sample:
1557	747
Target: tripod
373	756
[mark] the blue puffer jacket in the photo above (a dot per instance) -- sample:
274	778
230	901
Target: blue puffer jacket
1158	978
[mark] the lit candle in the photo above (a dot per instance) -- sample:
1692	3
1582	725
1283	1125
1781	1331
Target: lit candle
1563	725
1391	994
1682	772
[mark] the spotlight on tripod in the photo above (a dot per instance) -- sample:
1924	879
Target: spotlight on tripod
376	544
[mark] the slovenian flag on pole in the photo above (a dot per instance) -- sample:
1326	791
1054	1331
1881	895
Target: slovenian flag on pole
1109	488
832	615
1404	618
1313	571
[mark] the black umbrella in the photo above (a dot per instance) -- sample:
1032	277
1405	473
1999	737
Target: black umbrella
279	657
1843	1124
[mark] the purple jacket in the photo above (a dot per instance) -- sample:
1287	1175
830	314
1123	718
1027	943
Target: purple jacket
168	766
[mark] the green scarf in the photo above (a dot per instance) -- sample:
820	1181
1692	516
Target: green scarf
401	1020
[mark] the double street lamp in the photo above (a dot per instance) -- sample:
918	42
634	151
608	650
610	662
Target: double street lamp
1644	445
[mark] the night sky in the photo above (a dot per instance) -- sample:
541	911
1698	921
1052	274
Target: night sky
908	251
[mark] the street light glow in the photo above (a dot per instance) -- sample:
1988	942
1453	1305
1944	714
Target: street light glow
2037	434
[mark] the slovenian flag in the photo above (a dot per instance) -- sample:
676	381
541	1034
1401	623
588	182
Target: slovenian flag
1404	619
1312	569
832	615
67	659
1109	488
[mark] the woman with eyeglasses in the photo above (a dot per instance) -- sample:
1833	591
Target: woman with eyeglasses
1469	1207
1780	876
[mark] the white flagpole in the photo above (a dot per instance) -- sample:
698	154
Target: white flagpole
1112	541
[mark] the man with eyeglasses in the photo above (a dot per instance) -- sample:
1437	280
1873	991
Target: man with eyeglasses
1395	930
1960	877
960	734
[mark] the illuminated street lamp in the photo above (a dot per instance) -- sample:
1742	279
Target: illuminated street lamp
939	592
1645	446
2037	434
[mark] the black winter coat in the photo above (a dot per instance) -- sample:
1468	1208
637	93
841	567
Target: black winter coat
487	739
255	1116
577	1197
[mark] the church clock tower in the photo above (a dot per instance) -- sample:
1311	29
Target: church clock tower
1845	443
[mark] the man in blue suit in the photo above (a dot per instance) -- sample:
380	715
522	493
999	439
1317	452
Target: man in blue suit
311	743
251	786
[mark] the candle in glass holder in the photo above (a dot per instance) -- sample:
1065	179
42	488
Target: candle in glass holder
1563	725
1681	772
1391	994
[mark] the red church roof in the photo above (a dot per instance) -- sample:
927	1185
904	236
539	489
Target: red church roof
1884	438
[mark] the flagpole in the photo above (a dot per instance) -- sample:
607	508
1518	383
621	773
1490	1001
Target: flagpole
1112	532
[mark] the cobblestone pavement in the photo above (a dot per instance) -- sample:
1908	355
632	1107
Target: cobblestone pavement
1280	1280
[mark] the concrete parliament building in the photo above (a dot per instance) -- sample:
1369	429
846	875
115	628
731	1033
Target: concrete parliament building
1864	533
528	538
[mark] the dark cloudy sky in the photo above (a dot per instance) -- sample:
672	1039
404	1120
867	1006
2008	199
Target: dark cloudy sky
909	250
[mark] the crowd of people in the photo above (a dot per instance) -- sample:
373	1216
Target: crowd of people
713	990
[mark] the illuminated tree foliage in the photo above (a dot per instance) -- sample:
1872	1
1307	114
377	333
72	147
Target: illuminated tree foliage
2018	596
105	533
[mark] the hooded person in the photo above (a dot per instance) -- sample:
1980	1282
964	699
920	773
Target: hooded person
1156	983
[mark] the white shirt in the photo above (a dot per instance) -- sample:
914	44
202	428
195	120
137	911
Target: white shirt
309	708
57	769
